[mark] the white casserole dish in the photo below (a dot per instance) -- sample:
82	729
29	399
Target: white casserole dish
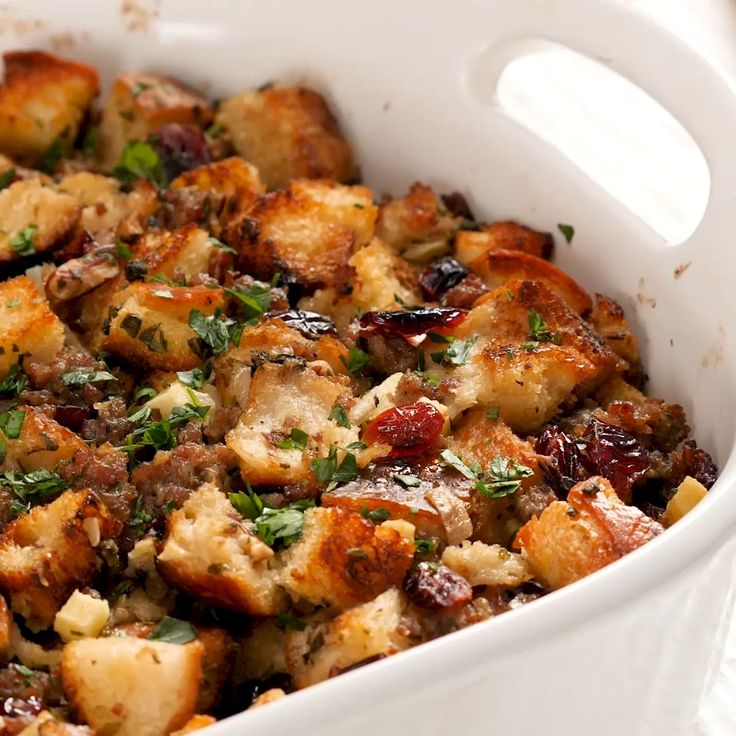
629	650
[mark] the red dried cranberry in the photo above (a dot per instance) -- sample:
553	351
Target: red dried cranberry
72	417
566	465
440	276
310	324
180	148
616	455
408	429
412	322
698	464
434	586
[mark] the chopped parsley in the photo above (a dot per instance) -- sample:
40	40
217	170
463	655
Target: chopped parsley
90	141
154	339
252	301
376	515
214	130
31	488
568	231
14	382
407	480
457	353
54	153
140	518
503	477
539	331
26	672
22	241
159	435
449	457
6	178
123	250
131	323
140	161
80	378
215	243
328	472
356	361
139	87
493	412
297	440
339	415
196	377
282	527
248	504
425	546
285	621
173	631
216	332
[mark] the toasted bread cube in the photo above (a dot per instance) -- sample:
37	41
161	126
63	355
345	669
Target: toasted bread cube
418	217
506	235
50	551
139	105
150	324
132	687
42	443
326	646
82	616
52	727
575	538
186	249
195	723
262	652
219	656
382	280
308	231
6	624
105	206
28	327
281	398
211	553
288	133
609	321
505	368
43	99
34	219
687	496
487	564
498	267
344	559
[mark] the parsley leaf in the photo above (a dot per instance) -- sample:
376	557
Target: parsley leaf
328	471
197	377
22	241
80	378
376	515
30	488
248	504
160	435
14	382
298	439
356	361
253	301
216	243
538	330
454	461
123	250
173	631
54	153
407	480
90	141
456	354
6	178
493	412
140	161
503	477
568	231
214	331
154	339
282	526
285	621
425	546
340	416
140	518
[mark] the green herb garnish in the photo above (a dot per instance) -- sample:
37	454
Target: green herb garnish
14	382
6	178
356	361
376	515
456	354
173	631
328	472
140	161
298	439
282	526
31	488
407	480
339	415
22	241
81	378
568	231
216	331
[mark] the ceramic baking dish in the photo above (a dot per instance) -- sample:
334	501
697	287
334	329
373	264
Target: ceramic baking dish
629	650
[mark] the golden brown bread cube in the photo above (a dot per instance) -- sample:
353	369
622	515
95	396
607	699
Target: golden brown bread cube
506	367
210	553
28	327
105	206
52	727
41	443
328	646
381	280
34	218
575	538
132	687
196	722
498	267
43	99
288	133
308	231
149	324
487	564
609	321
343	559
262	652
281	398
418	217
185	250
505	235
6	624
50	551
139	105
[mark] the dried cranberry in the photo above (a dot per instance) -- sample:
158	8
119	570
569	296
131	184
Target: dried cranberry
458	205
412	322
429	585
310	324
566	465
72	417
180	148
616	455
440	276
698	464
408	429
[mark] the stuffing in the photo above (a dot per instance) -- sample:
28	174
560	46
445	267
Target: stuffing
306	232
328	646
181	253
132	687
29	328
485	564
43	99
210	552
344	559
288	133
506	235
50	551
35	218
283	397
139	105
608	320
